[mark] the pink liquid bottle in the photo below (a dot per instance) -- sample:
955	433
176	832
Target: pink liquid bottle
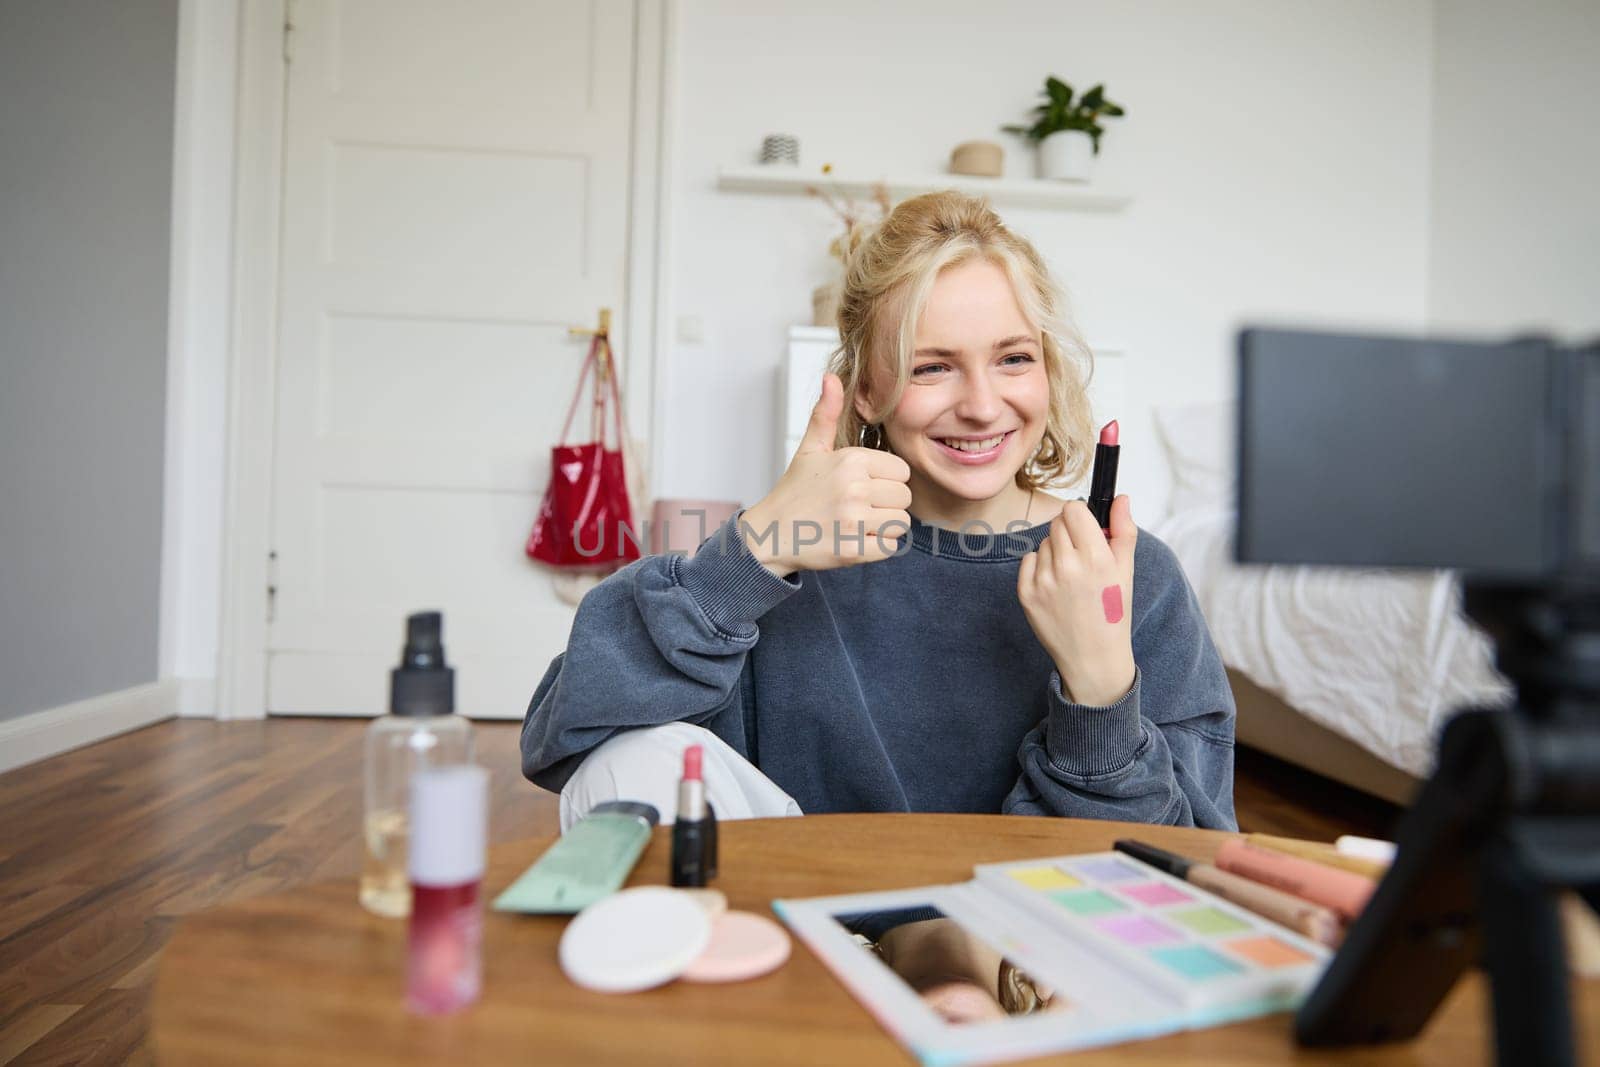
449	836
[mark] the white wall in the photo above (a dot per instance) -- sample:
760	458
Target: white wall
1516	219
1277	154
197	350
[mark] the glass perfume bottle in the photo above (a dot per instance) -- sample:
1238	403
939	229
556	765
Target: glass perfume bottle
421	730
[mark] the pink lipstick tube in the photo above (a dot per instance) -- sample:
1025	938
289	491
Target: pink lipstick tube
449	839
693	831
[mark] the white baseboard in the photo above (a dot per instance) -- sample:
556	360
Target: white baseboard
55	730
197	697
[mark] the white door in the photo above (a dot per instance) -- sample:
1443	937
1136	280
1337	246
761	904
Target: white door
456	196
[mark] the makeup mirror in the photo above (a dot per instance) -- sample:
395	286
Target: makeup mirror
962	977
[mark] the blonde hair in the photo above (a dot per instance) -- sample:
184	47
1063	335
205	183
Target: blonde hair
889	272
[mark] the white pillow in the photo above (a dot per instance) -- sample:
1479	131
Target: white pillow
1198	440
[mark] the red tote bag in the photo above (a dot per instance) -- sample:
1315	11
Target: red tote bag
585	522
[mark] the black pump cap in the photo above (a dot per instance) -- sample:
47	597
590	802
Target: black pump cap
422	684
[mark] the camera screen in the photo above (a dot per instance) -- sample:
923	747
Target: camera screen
1397	453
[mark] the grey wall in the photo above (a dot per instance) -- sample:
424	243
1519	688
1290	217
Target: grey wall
85	187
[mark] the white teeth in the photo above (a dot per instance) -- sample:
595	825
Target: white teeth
973	446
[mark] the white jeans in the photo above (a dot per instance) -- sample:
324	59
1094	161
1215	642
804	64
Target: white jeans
647	764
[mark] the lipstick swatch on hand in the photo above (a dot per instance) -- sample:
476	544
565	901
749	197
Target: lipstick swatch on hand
1111	601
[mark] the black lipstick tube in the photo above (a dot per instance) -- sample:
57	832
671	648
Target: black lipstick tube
692	837
1103	484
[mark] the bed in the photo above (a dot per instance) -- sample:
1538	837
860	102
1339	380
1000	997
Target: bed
1348	672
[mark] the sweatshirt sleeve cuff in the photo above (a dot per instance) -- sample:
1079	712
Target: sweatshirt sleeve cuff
729	584
1091	742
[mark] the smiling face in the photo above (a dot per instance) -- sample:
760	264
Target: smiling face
974	409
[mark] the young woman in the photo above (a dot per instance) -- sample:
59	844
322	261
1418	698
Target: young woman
858	641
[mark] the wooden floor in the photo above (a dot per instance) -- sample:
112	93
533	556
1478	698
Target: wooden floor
104	850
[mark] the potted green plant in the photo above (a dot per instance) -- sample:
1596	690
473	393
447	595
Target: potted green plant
1068	131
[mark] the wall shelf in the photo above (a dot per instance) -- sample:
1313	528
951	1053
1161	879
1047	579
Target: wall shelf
1020	192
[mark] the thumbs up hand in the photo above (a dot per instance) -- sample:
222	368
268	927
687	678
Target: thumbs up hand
833	507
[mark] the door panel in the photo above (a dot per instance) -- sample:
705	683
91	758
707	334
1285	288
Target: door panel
456	190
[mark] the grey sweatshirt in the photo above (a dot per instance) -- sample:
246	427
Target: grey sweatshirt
909	684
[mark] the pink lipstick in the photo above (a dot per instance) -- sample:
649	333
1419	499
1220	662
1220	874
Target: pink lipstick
1103	483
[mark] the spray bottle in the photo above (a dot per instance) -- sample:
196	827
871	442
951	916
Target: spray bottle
421	730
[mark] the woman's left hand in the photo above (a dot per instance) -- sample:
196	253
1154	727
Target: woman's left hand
1076	590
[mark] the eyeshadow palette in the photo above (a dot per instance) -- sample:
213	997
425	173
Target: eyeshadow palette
1199	950
1107	948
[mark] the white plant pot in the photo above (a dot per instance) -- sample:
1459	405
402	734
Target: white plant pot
1066	155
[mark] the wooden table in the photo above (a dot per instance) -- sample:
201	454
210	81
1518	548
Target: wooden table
309	977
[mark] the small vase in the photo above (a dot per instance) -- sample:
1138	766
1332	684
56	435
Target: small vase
1066	155
825	304
981	159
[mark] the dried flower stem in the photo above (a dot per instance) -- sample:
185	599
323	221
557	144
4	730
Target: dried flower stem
848	212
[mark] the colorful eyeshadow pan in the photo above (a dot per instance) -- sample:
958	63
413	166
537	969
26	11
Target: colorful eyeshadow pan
1107	870
1267	951
1194	962
1139	930
1155	894
1208	922
1088	902
1187	952
1045	878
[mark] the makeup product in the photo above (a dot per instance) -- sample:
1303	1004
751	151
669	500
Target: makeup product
743	945
1318	852
693	833
1366	848
1302	916
421	730
1345	893
636	939
590	861
1103	482
449	841
1125	952
1203	951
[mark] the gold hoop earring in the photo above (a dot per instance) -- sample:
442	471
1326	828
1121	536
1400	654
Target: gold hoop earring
877	436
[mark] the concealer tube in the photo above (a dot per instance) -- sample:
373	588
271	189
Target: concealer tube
1303	917
1340	891
1319	853
1309	919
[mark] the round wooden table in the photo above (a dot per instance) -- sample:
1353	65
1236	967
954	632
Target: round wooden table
309	977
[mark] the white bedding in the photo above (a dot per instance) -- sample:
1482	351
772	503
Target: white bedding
1379	657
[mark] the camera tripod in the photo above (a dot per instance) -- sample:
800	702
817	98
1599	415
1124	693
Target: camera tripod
1510	817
